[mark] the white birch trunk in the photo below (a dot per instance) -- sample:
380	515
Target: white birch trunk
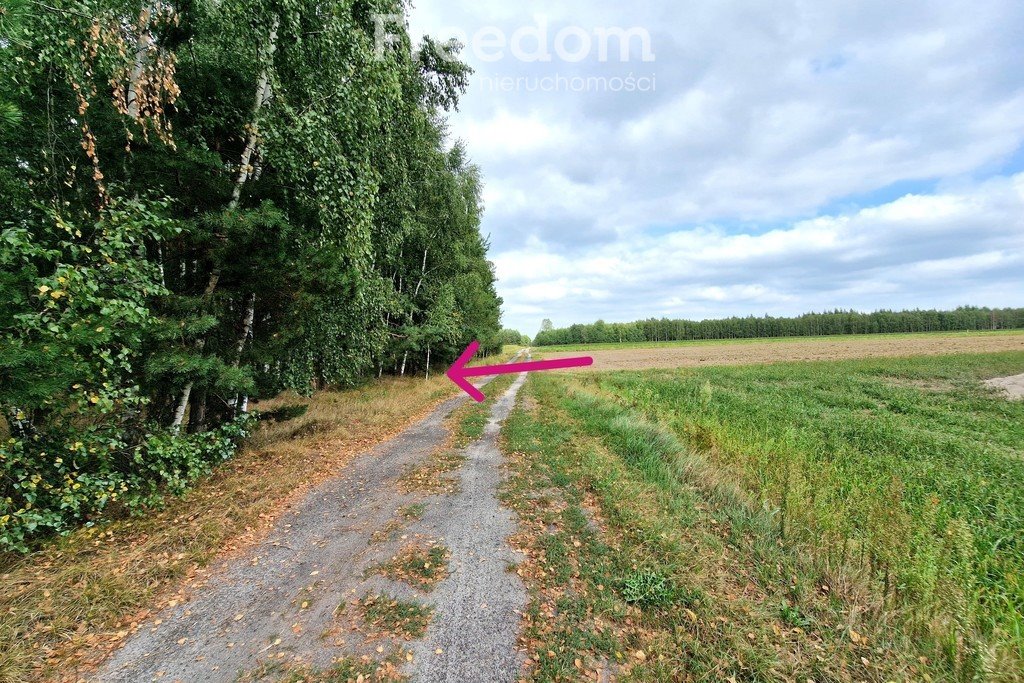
263	93
179	413
247	325
423	270
160	255
245	172
143	45
262	98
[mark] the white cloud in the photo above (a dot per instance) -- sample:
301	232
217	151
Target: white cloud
774	128
934	250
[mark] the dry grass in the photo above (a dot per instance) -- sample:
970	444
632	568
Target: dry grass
399	619
435	476
769	351
65	607
422	566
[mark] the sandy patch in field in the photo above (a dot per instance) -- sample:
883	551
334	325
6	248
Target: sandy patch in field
759	353
1013	386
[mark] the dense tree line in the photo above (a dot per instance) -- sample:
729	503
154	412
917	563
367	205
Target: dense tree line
807	325
512	338
206	201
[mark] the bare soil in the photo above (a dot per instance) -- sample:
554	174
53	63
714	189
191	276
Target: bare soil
761	353
1012	386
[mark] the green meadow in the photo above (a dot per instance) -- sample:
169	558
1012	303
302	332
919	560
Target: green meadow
871	501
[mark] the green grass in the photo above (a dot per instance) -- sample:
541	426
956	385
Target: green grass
423	567
400	618
345	670
469	421
898	484
634	571
612	346
413	511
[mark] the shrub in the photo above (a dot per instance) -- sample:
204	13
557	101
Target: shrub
50	484
647	589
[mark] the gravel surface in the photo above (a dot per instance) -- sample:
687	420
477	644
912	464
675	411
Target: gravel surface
478	607
252	610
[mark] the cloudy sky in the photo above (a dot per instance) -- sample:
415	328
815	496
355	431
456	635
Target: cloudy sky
744	157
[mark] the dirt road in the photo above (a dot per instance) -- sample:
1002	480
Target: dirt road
294	601
781	351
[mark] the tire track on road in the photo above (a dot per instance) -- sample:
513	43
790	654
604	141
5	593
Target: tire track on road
280	602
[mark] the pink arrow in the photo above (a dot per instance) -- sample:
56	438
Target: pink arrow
459	373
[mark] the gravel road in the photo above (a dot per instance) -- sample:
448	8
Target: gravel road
279	603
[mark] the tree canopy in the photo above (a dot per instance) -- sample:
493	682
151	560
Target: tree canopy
206	202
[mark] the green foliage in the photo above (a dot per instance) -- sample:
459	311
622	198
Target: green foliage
10	116
792	616
401	618
75	312
512	338
648	589
212	220
50	485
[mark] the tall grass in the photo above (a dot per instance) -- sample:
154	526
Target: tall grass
907	472
711	593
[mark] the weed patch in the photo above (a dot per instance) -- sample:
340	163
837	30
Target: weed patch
422	567
397	618
346	670
434	477
413	511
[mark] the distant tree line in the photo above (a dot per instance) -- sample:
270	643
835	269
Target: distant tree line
509	337
807	325
206	202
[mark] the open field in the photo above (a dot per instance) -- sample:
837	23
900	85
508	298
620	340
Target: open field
847	520
612	346
781	350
